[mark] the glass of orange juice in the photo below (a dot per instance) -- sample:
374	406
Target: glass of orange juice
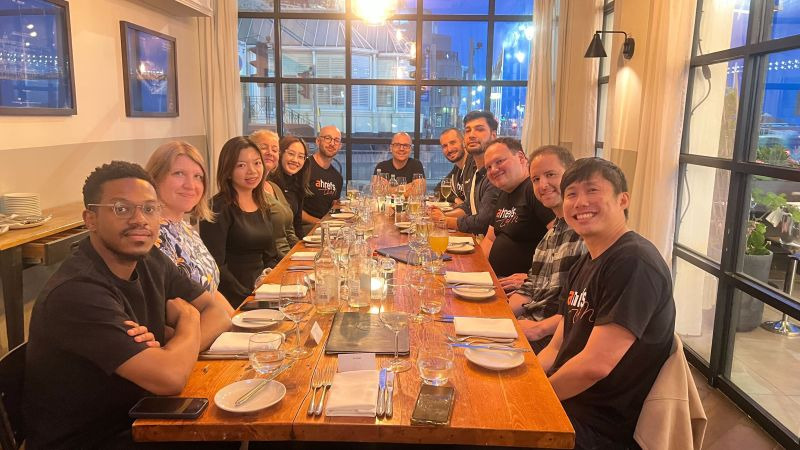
438	239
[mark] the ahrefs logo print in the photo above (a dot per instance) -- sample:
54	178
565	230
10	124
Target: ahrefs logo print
579	307
506	217
325	187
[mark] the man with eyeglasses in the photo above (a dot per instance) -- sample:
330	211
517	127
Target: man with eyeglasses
401	164
325	182
78	333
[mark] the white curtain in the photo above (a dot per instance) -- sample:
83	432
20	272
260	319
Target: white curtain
541	111
219	76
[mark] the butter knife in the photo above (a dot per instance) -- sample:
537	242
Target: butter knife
492	347
380	409
389	395
252	392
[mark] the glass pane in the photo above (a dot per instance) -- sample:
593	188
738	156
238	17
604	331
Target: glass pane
256	48
407	7
444	107
765	365
702	207
454	51
785	19
366	157
715	101
695	293
456	6
256	5
723	25
384	51
779	130
435	164
513	7
602	101
512	50
508	106
312	5
258	105
382	110
312	48
309	107
608	24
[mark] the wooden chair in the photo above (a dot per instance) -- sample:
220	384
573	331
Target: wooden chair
12	373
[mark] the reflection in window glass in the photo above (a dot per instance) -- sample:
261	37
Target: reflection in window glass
258	105
312	48
435	164
256	49
380	111
366	157
256	5
308	107
406	6
513	7
785	18
312	6
454	51
608	24
602	102
456	6
723	25
384	51
702	206
715	102
512	50
779	130
508	106
765	365
695	294
444	107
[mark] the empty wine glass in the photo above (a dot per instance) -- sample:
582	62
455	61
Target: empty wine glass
418	278
295	305
394	316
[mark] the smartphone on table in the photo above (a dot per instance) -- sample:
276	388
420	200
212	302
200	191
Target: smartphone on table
168	408
434	405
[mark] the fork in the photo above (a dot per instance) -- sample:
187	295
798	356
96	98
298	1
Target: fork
316	383
326	384
452	338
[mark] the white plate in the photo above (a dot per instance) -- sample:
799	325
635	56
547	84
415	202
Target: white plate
494	359
343	215
268	395
474	293
3	228
446	208
30	225
313	239
461	248
270	316
402	224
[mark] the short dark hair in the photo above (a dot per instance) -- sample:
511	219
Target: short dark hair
564	155
115	170
513	144
447	130
480	114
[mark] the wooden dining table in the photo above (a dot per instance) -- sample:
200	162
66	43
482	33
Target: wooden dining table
515	407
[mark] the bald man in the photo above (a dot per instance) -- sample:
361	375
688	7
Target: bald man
401	164
325	182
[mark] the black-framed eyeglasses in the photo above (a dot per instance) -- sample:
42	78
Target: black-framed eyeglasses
403	146
125	210
329	139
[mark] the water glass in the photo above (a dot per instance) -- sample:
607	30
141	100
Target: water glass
265	352
394	316
435	362
432	296
293	302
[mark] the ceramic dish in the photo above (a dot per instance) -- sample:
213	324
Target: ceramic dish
494	359
343	215
461	248
257	318
270	394
474	292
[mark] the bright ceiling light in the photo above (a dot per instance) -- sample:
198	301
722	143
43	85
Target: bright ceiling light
374	12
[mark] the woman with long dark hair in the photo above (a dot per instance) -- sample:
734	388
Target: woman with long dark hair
292	176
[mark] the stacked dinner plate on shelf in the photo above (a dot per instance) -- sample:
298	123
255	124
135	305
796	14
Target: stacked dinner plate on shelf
22	204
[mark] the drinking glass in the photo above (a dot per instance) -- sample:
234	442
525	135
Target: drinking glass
265	352
418	279
394	316
446	189
418	181
432	296
294	304
401	185
435	362
438	239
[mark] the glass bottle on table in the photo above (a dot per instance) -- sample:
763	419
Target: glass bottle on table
326	275
359	273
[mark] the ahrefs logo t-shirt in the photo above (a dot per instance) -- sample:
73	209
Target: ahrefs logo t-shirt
326	186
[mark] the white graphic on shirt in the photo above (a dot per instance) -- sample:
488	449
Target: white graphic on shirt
579	307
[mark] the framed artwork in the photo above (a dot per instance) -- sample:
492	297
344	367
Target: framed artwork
149	67
36	76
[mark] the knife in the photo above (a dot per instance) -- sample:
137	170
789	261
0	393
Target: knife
252	392
379	411
449	318
490	347
214	356
389	396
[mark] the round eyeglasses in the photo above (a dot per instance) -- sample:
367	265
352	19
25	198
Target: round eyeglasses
125	210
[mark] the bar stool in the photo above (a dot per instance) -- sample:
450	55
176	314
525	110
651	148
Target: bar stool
783	326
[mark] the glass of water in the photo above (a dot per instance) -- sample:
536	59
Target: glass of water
432	296
265	352
435	362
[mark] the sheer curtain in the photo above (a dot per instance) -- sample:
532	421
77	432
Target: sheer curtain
219	76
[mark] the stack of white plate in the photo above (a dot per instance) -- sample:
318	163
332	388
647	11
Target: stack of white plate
22	203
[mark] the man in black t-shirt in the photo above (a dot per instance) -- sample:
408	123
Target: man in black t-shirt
452	142
520	220
401	165
83	371
325	182
618	317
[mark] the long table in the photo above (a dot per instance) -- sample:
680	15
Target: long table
516	407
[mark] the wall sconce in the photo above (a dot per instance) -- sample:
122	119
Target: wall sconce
596	49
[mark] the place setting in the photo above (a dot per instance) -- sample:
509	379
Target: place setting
471	285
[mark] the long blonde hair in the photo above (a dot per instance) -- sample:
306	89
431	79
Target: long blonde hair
161	161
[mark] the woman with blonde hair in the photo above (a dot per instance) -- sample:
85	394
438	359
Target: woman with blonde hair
281	214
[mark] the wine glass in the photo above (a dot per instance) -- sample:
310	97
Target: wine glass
446	188
418	278
394	316
294	304
401	185
265	352
438	238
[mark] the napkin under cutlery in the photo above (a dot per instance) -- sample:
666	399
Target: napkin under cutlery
353	394
479	326
460	240
473	278
271	291
303	256
230	342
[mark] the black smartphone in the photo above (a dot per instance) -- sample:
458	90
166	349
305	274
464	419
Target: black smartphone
259	304
168	408
434	405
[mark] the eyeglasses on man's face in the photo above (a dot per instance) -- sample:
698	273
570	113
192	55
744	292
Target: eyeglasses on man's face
401	146
328	139
125	210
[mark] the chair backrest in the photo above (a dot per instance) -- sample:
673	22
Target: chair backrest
12	375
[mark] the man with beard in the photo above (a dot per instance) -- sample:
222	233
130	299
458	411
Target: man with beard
452	142
325	182
477	211
400	164
77	331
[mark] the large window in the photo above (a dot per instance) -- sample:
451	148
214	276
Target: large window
305	64
737	238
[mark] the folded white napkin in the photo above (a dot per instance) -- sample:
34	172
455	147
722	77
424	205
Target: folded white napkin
438	204
268	291
460	240
353	394
477	278
303	256
477	326
230	342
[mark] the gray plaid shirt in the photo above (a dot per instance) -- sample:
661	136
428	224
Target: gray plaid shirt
555	255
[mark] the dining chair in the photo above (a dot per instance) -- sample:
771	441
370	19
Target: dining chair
12	373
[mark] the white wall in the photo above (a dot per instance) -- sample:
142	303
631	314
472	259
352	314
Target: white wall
52	155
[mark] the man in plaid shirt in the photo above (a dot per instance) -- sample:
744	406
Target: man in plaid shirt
537	300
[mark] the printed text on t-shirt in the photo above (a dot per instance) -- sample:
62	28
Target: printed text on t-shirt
579	307
325	187
506	217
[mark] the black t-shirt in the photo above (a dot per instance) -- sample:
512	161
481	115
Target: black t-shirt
519	224
326	186
73	398
411	168
629	285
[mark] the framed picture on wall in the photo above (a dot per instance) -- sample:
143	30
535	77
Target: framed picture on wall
149	68
36	59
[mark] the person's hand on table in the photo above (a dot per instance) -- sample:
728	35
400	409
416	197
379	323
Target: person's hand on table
140	333
260	279
513	282
436	213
